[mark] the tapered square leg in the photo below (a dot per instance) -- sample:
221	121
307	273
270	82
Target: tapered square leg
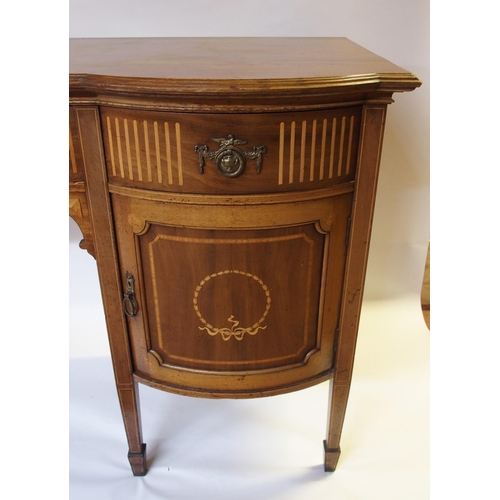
331	458
138	462
337	407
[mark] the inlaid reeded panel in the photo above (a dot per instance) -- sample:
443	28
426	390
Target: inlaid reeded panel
160	150
315	150
154	164
225	300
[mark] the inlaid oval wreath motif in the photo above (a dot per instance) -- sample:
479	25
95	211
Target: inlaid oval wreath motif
235	330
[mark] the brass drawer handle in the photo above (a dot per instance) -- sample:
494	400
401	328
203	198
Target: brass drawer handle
130	306
229	159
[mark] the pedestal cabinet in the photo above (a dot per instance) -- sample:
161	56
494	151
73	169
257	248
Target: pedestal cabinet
226	189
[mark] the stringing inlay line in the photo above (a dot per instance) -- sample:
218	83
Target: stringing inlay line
127	146
302	151
119	146
169	154
323	147
179	153
341	146
351	129
332	148
281	153
158	155
148	154
313	150
137	151
111	146
292	153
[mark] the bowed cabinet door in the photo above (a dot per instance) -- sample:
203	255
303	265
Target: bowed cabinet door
234	300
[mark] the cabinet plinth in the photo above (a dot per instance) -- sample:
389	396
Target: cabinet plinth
228	203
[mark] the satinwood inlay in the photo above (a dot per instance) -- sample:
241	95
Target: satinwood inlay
314	149
235	331
130	152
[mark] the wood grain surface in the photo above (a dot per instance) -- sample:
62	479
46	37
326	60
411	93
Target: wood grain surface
195	66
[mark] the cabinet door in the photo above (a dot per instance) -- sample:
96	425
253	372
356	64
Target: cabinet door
233	299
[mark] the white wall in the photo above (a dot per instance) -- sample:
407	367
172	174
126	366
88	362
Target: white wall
396	30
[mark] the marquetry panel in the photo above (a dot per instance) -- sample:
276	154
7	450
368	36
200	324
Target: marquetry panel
232	300
164	151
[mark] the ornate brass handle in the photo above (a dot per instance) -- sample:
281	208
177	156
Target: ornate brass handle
130	306
229	159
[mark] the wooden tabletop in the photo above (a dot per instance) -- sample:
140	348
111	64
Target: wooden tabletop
236	61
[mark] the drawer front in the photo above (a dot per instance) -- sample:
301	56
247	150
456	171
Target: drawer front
231	153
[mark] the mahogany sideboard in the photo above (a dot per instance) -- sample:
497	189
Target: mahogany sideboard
225	187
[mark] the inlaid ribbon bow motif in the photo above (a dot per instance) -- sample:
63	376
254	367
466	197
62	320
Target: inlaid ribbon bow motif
234	330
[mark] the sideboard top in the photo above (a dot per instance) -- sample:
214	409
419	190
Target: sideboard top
230	64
